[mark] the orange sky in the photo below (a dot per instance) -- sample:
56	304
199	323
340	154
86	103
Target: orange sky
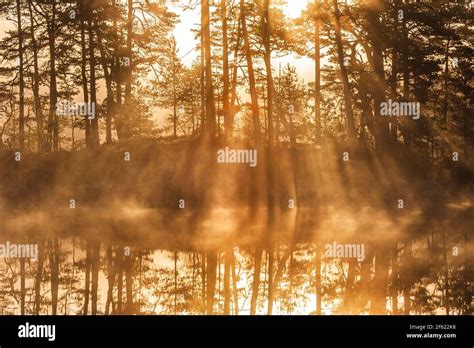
191	19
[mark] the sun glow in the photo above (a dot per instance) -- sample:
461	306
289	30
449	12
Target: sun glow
293	8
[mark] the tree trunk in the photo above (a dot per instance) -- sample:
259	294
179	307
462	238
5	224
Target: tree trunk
365	278
85	88
175	282
119	265
256	280
203	280
381	122
234	81
203	78
53	122
22	286
36	80
211	281
95	121
279	273
225	76
129	283
234	285
407	282
128	80
446	274
348	302
318	278
227	266
39	276
406	79
271	263
111	280
344	77
210	103
54	263
95	256
21	128
87	280
253	89
445	82
118	114
175	98
395	273
268	67
379	295
108	84
394	77
317	81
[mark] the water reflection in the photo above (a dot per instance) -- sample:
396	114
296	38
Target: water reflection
77	276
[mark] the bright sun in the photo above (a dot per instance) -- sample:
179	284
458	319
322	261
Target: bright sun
293	8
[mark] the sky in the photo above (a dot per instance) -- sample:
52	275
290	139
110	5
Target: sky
190	19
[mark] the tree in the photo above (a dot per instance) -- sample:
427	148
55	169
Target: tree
36	82
344	76
225	68
210	102
21	82
251	75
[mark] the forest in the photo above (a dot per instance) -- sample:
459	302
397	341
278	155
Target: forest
236	157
